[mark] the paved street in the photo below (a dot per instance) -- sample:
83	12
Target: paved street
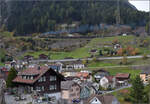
10	99
102	58
107	92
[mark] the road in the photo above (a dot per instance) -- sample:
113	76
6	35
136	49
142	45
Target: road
107	92
102	58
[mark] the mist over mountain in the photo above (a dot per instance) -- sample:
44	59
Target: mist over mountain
26	17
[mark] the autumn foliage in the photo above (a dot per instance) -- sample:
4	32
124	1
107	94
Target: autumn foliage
128	51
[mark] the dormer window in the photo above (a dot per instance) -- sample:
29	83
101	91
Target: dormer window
24	77
31	77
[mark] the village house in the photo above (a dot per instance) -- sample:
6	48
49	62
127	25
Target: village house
87	89
85	92
122	79
28	57
117	46
100	74
84	76
102	99
73	65
41	79
70	92
145	76
69	73
43	56
108	82
93	51
57	67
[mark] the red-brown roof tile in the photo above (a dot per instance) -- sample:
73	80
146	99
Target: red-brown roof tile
31	71
82	74
122	75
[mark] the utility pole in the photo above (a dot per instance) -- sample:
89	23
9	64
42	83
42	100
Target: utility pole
118	20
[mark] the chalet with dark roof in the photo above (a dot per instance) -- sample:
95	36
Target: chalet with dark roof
43	56
28	57
41	79
122	78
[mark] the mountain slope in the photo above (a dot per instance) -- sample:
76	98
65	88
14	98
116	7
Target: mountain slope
26	17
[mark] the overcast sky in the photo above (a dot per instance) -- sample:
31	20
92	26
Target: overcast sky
142	5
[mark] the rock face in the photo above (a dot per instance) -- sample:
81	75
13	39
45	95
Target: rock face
2	87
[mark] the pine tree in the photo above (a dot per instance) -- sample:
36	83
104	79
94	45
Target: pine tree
137	91
11	75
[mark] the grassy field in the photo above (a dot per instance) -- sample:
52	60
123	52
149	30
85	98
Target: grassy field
103	63
114	71
97	43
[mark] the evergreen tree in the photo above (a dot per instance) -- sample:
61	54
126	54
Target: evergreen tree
137	91
44	16
11	75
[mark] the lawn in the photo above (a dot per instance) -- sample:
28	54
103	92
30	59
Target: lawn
96	43
101	64
114	70
133	72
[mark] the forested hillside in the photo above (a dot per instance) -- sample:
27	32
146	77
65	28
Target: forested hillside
26	17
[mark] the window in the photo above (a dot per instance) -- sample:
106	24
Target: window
31	77
27	77
53	87
41	88
24	77
42	79
52	78
37	88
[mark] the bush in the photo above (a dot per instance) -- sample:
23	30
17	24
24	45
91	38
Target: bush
144	57
94	59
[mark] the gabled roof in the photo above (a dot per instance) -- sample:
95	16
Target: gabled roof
104	99
110	78
82	74
31	71
122	75
34	72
